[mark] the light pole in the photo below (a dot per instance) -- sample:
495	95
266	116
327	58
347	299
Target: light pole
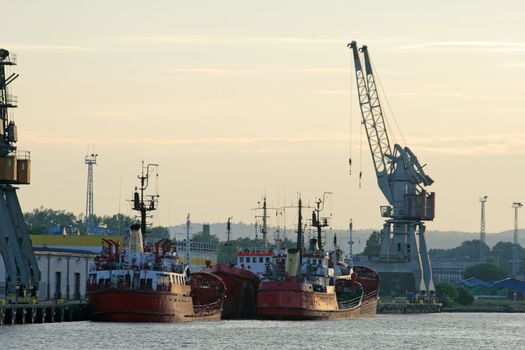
482	235
516	206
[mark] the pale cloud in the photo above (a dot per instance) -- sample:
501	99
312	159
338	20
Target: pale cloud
228	40
401	94
516	65
15	47
110	114
429	94
262	70
472	145
198	39
467	145
478	46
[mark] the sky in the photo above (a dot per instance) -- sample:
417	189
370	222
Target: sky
239	99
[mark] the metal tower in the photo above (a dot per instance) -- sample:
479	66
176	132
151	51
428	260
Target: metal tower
22	273
515	262
482	235
90	160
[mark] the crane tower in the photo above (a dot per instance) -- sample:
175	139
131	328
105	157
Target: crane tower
402	181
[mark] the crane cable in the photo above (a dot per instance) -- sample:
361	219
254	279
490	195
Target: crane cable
389	109
350	123
361	154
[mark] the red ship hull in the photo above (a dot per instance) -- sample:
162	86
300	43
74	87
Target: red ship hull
291	300
182	303
369	279
241	291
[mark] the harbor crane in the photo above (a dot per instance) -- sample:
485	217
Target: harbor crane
20	284
402	181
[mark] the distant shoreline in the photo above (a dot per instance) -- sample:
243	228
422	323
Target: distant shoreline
487	309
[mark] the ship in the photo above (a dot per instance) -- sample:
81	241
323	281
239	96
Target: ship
366	277
309	289
149	283
241	286
369	280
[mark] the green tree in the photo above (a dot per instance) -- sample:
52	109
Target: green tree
372	244
464	297
468	250
117	221
160	232
445	292
485	272
42	218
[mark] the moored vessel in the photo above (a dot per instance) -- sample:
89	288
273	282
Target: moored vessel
369	279
309	289
140	283
241	286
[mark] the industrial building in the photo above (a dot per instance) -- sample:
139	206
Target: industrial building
63	274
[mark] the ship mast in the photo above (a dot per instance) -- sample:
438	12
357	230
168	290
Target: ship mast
138	197
300	245
264	217
320	222
188	253
228	233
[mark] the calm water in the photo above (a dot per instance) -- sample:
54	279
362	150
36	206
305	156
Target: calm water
435	331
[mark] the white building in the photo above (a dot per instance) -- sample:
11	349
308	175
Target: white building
63	274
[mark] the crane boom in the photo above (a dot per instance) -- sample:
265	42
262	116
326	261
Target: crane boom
372	119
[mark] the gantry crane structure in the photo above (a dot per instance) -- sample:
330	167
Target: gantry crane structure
402	181
22	273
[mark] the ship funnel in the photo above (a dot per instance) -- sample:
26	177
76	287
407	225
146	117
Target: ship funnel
135	239
292	262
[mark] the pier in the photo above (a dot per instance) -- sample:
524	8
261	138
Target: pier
11	314
408	308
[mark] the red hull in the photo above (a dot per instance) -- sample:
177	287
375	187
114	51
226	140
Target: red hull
241	291
200	301
119	305
369	279
291	300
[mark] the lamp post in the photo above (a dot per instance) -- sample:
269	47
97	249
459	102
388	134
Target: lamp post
516	206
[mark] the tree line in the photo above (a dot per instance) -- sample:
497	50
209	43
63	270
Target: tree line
39	220
500	254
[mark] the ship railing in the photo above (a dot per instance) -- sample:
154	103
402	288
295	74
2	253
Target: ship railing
253	249
207	309
198	246
348	304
